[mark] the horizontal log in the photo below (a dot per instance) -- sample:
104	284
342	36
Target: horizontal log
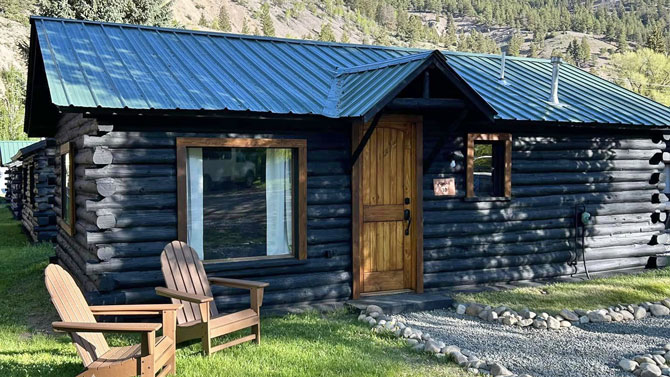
583	166
449	265
508	274
562	143
498	249
124	264
328	211
93	156
295	295
136	185
617	252
143	156
108	219
136	234
290	282
130	202
328	196
124	171
586	154
465	229
613	264
133	249
319	236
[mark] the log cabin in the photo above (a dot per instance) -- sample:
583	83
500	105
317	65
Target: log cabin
8	180
334	170
32	198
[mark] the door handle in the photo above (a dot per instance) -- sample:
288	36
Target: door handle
408	218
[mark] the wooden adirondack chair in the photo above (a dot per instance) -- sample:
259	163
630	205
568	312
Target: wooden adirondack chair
187	284
155	356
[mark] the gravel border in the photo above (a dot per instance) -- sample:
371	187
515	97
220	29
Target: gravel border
593	349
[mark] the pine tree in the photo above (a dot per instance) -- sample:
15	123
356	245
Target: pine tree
622	43
145	12
203	21
267	25
224	19
245	26
344	38
656	41
533	52
585	51
12	107
514	45
326	34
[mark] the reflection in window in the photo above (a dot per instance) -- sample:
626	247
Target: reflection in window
65	191
240	201
483	169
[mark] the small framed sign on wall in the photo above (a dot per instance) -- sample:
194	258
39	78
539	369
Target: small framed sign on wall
444	186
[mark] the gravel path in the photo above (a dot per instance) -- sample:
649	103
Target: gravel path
588	350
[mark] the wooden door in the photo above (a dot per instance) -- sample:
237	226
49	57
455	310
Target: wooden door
388	198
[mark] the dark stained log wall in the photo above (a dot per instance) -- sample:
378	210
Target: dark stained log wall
126	200
37	185
14	195
615	176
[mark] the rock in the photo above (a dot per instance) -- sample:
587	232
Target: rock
460	309
509	321
440	355
411	342
539	323
584	319
644	359
666	303
569	315
559	318
426	336
650	370
500	309
459	358
581	312
448	350
553	323
467	352
616	317
372	321
599	316
375	314
499	370
667	356
492	316
407	332
431	346
628	365
659	310
544	316
660	360
473	370
361	317
373	309
484	314
627	316
525	322
640	312
418	347
667	347
566	324
389	326
474	309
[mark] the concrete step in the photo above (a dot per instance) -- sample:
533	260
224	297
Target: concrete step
404	302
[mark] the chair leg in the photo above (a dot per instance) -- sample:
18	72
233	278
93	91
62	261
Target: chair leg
173	365
256	330
206	344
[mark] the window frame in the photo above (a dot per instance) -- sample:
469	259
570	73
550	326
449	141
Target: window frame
67	226
506	140
210	142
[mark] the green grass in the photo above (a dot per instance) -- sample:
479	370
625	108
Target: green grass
312	344
589	294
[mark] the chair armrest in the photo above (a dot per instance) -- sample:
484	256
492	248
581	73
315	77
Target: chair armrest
149	309
237	283
171	293
105	327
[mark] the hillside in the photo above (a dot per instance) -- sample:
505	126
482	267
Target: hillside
521	27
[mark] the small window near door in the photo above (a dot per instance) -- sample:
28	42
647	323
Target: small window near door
67	217
489	166
242	199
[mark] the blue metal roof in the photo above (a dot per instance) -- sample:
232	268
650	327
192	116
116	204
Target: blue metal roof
8	148
114	66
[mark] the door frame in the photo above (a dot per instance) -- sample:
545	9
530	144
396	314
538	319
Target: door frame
357	203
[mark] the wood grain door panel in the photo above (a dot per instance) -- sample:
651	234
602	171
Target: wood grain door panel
387	179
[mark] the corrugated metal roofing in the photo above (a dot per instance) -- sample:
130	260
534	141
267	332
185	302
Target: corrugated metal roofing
103	65
8	148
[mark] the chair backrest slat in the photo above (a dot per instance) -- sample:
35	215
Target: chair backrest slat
183	271
72	307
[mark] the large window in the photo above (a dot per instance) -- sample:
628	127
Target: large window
242	198
67	188
489	166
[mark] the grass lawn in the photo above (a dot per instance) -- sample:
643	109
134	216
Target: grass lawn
589	294
311	344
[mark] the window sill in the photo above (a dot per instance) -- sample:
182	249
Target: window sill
488	199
